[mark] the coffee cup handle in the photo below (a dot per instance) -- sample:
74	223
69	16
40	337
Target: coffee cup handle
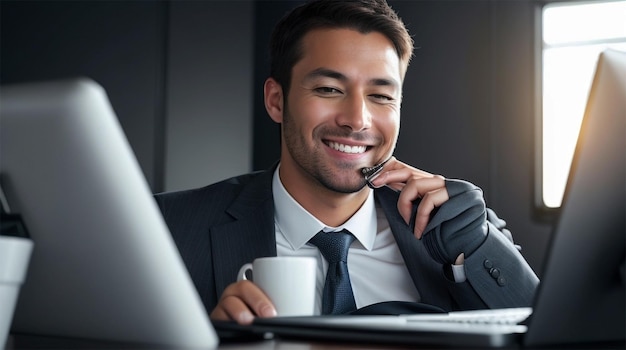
241	275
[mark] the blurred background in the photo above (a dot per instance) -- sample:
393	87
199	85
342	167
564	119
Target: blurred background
186	81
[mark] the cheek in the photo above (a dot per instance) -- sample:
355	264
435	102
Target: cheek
300	120
319	109
389	125
309	114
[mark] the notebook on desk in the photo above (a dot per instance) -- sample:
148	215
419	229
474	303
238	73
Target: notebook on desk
581	298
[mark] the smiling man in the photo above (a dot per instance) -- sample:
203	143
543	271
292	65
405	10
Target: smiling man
335	87
341	114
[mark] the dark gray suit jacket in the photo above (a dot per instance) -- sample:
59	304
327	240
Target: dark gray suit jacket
220	227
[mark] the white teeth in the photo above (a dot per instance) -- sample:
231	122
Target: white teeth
345	148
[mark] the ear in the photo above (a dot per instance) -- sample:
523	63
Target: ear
273	96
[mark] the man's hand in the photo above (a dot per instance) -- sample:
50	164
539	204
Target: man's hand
458	227
414	184
241	302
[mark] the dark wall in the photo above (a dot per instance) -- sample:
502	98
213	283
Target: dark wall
178	75
119	44
209	92
186	79
266	138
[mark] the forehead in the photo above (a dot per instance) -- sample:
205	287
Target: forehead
349	51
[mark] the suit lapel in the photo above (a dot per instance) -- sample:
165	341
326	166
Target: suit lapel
422	268
249	235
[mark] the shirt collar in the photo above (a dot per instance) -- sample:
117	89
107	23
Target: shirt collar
299	226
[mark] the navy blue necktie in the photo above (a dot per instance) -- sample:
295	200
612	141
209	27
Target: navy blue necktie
337	297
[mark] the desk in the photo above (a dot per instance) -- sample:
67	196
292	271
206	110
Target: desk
18	341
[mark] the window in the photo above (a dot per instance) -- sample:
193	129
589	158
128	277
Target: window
573	35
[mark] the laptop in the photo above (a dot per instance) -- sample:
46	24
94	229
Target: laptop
104	266
581	298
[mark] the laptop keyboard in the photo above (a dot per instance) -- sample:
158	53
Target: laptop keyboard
508	316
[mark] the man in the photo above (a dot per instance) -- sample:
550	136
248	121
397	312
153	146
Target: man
335	88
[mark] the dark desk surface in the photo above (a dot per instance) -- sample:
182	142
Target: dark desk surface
19	341
16	341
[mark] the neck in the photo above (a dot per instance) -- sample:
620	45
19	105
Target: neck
330	207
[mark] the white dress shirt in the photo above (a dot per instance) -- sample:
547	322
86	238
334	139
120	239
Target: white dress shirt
376	267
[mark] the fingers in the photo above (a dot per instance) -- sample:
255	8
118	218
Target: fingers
413	184
396	174
241	302
433	194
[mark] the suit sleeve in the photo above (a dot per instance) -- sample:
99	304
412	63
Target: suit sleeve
499	273
495	269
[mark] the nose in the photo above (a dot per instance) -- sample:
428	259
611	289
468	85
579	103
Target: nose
355	113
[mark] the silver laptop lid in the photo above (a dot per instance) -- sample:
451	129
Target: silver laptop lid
104	265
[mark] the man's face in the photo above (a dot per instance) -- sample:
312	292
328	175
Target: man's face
343	109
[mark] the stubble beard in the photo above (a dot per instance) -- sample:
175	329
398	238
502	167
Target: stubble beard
341	179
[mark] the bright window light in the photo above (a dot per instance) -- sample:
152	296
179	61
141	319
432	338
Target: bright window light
573	35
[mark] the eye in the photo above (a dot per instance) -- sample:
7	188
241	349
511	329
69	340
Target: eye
382	98
326	90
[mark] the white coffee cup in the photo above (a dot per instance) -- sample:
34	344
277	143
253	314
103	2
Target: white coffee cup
14	258
288	281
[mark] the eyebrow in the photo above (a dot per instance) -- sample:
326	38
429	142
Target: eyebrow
329	73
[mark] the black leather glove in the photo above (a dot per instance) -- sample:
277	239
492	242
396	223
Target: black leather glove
459	225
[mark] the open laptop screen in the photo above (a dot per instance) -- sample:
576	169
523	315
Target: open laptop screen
582	294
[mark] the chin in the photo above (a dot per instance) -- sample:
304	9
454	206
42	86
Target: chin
344	187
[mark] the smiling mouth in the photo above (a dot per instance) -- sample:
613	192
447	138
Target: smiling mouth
346	148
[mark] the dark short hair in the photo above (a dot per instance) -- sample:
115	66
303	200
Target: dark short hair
365	16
